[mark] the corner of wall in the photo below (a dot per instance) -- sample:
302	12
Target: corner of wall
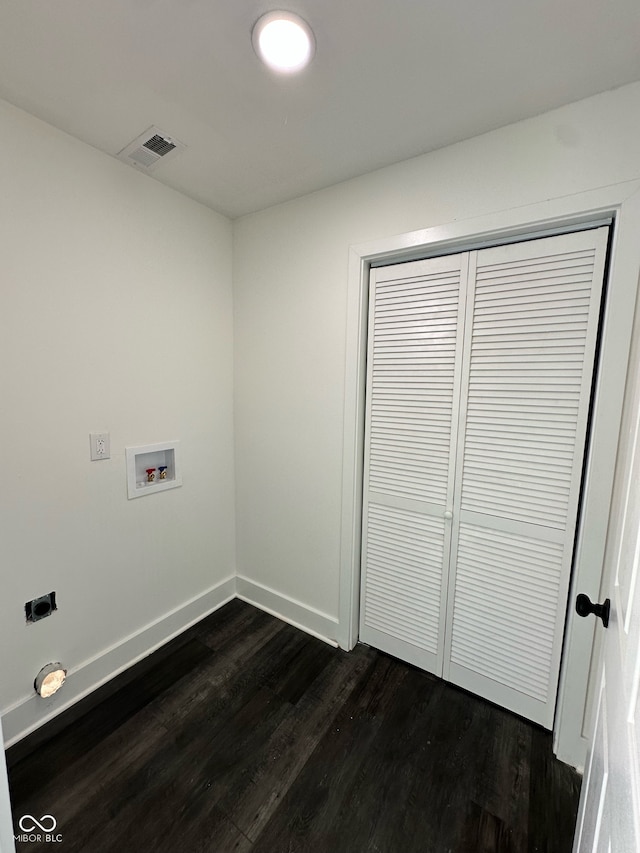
31	713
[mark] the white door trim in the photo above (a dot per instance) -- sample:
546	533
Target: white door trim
622	202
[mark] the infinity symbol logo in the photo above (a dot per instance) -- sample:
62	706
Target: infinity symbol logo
28	823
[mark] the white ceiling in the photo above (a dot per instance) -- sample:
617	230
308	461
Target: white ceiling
391	79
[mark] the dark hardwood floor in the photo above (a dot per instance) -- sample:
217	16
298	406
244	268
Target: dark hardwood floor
245	734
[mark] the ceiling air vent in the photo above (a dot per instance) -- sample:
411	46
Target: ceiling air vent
149	149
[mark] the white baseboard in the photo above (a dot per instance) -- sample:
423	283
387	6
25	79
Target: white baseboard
28	715
25	717
308	619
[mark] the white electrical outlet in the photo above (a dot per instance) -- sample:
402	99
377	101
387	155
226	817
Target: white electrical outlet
100	445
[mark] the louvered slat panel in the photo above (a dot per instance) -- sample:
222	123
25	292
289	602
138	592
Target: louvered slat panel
413	376
530	343
512	394
409	317
513	624
403	575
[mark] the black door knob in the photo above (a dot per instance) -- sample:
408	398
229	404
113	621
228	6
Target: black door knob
584	606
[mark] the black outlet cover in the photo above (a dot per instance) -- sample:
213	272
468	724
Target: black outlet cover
40	608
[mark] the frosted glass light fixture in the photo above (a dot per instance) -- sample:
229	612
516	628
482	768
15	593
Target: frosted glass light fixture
283	41
50	679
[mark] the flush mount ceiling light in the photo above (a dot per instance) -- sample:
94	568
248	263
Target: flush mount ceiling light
50	679
283	41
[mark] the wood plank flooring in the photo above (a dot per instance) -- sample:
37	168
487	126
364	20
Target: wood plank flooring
245	734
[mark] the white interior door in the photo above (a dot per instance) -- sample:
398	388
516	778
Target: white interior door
609	817
416	315
533	311
480	368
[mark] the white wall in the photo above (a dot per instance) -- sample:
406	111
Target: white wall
116	315
290	303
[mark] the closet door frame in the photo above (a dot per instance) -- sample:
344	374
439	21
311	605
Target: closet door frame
619	205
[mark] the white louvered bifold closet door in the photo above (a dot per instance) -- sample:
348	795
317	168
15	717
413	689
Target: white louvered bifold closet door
533	311
413	380
479	381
